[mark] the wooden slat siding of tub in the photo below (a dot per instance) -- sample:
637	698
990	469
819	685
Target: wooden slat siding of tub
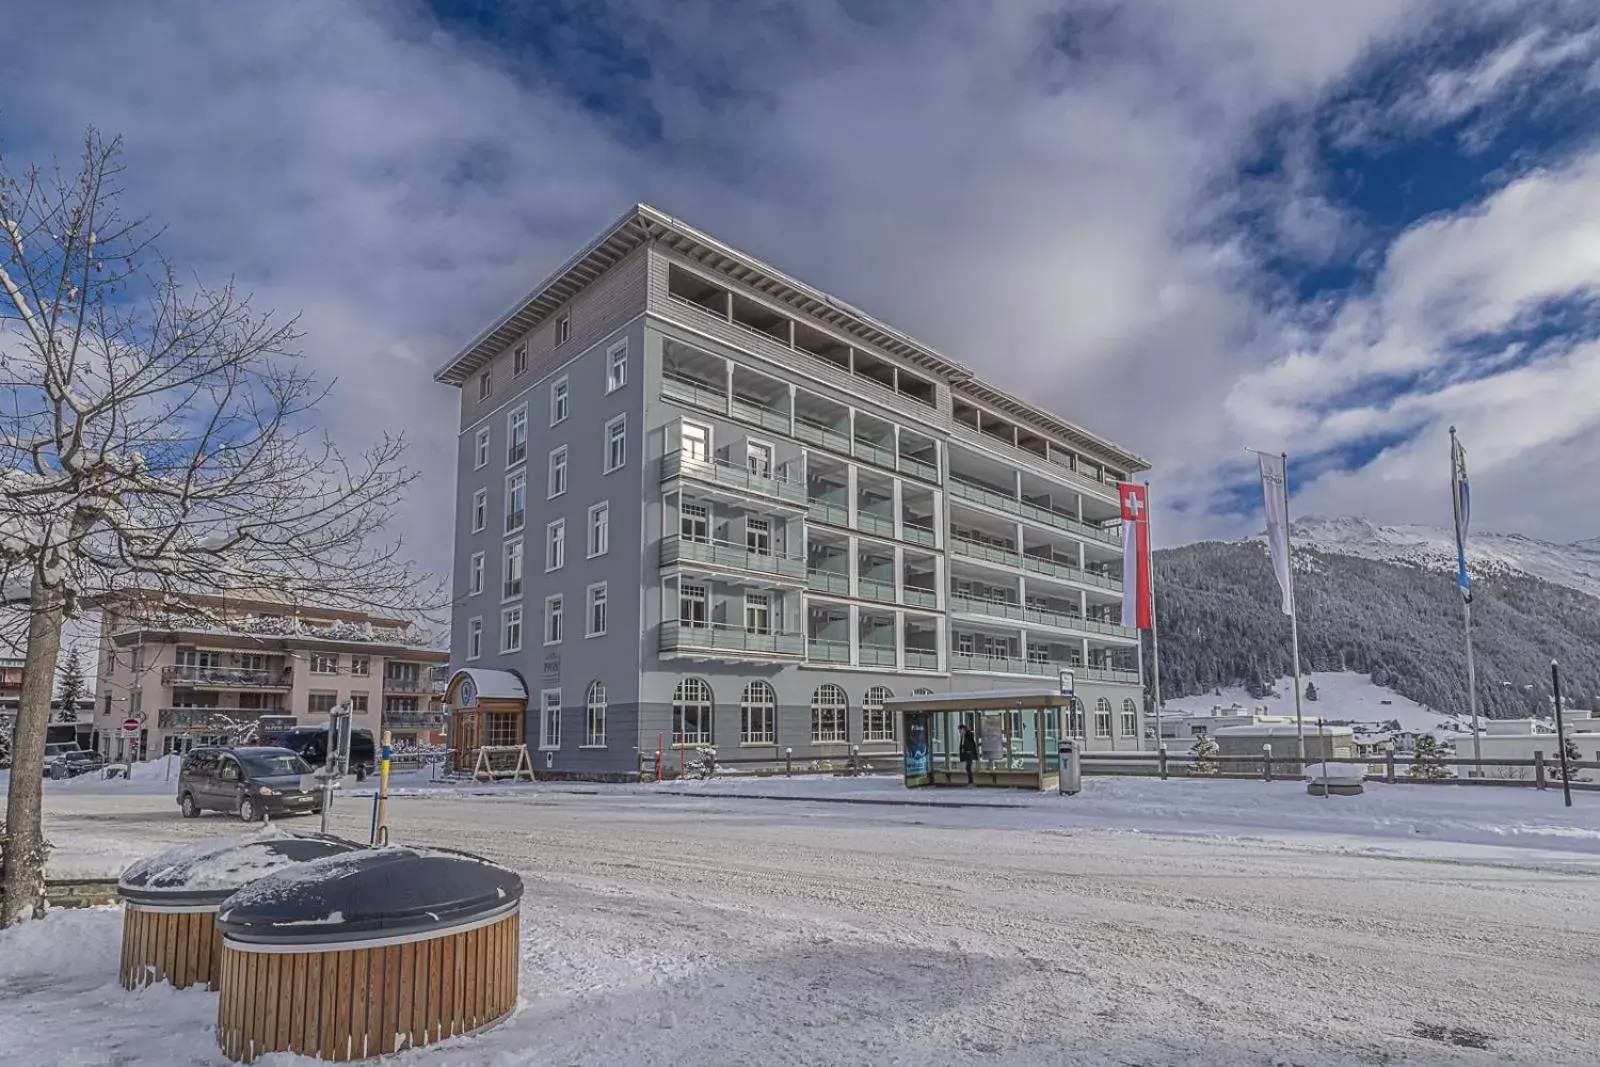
178	947
353	1004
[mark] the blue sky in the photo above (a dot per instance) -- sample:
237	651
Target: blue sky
1196	226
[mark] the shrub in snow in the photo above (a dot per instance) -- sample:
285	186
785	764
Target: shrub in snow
1425	759
1205	752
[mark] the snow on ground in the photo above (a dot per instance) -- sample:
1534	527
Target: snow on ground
1342	696
1140	922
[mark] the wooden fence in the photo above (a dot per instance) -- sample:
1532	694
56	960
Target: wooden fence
1543	771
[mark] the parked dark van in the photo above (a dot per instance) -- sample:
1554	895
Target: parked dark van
247	782
312	744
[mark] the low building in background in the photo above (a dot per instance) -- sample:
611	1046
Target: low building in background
219	670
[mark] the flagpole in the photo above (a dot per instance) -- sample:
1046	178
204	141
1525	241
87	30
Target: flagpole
1155	637
1466	601
1294	624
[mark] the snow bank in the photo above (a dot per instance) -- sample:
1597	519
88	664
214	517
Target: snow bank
1336	772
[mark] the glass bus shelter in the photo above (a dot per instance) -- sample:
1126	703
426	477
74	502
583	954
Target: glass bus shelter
1016	730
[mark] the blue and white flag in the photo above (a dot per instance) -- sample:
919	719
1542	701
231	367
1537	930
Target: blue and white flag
1462	498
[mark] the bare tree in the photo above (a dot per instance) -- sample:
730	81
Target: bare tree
156	434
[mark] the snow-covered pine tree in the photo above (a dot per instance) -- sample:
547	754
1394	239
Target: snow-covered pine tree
169	442
1425	759
71	686
1311	690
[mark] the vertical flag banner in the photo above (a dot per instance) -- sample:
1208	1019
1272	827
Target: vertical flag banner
1462	498
1275	498
1136	602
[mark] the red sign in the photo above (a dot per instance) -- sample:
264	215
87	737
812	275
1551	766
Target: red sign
130	726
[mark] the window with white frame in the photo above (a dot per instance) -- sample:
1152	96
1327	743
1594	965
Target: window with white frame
517	435
558	400
1130	718
557	483
877	724
474	638
511	630
691	604
480	510
552	619
1102	717
758	712
600	529
597	611
555	545
550	719
564	329
757	613
691	713
475	574
694	522
516	501
480	449
758	459
829	712
324	663
594	729
758	536
361	666
511	570
519	359
617	366
358	704
616	443
485	386
695	441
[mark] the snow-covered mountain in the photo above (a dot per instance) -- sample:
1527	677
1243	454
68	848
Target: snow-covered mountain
1576	566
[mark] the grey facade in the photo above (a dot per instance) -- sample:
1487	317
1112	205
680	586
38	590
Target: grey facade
806	511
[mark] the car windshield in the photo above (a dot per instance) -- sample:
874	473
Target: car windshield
272	766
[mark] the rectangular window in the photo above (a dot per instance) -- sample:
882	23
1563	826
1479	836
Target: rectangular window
519	359
511	630
474	638
758	536
475	574
361	666
550	719
692	605
485	386
516	501
511	570
1102	719
616	366
757	613
558	472
321	703
758	459
555	545
558	400
480	510
599	529
564	329
756	717
480	450
552	620
694	522
616	443
696	441
597	610
517	435
323	663
358	703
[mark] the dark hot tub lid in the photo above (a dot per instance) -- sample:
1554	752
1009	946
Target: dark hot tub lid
206	873
381	894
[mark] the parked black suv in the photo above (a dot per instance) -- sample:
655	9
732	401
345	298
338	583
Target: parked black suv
312	744
248	782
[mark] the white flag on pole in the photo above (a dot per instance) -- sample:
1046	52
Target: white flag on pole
1275	497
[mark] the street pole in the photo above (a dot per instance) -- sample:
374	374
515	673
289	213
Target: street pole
1294	621
1561	735
1155	636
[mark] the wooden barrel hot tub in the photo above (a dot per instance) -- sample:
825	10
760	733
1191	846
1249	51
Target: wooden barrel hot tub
368	953
170	901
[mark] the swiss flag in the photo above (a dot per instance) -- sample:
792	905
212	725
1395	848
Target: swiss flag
1136	603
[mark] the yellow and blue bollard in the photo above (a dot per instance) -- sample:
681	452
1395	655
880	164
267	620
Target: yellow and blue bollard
380	803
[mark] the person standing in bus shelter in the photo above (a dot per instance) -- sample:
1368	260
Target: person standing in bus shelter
969	751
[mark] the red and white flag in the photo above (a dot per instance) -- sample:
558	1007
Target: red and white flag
1136	602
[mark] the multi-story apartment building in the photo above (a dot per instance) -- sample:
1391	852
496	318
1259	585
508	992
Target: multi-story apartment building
701	502
205	673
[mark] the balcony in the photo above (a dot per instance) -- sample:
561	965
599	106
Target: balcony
413	720
720	472
768	418
693	393
828	512
875	589
220	720
820	581
872	655
675	550
875	454
410	684
913	597
919	659
966	490
820	651
968	661
228	677
1107	674
963	546
1006	609
921	535
870	523
919	468
729	640
826	436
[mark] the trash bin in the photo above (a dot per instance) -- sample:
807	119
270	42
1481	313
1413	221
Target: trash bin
373	952
170	901
1071	767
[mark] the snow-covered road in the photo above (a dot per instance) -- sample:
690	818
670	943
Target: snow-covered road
694	930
